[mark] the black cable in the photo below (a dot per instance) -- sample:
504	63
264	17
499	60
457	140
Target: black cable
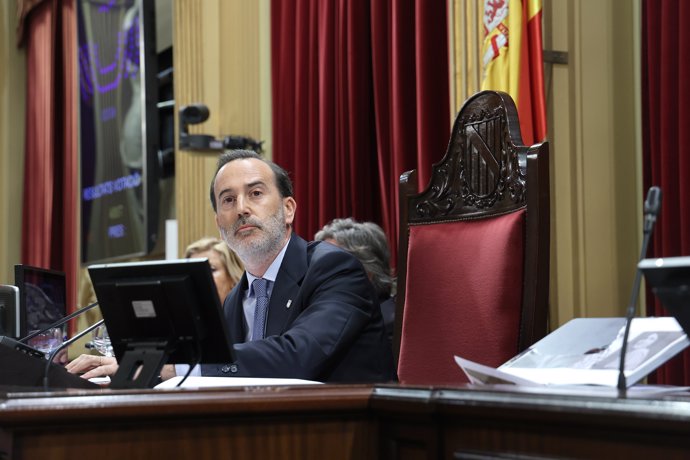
196	361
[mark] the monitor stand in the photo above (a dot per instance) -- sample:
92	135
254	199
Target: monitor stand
141	365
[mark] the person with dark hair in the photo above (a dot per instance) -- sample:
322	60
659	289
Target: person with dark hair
301	310
367	241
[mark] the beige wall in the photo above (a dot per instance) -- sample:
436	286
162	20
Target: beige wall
12	103
593	104
221	59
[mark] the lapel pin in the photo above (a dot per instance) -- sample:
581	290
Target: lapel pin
289	302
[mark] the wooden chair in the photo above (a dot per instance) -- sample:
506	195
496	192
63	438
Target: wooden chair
473	265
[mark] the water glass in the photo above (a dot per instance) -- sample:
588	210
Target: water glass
101	341
47	341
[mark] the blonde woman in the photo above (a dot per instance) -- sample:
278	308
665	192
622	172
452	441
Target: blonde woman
226	266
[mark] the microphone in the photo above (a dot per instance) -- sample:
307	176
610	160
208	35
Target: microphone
64	345
22	347
652	205
20	344
59	322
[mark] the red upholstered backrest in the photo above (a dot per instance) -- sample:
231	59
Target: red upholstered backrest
463	296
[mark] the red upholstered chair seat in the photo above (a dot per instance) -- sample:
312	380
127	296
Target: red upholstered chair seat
464	292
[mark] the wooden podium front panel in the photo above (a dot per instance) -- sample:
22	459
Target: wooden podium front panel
490	422
342	422
268	422
548	426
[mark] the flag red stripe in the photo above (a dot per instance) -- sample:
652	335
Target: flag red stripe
536	64
531	102
524	101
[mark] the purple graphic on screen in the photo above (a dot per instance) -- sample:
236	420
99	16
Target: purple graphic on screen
106	8
96	74
89	58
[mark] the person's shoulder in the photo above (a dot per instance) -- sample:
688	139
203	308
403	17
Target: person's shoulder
322	251
323	248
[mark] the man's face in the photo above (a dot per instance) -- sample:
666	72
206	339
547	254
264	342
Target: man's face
251	215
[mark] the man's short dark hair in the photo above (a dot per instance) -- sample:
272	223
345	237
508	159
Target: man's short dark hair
281	176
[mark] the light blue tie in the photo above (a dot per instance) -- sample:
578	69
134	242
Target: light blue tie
261	294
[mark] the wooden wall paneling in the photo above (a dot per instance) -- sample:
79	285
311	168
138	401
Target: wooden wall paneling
593	108
191	58
219	54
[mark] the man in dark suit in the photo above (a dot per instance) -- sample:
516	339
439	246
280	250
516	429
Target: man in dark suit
323	320
301	310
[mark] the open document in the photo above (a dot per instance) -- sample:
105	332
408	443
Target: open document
586	351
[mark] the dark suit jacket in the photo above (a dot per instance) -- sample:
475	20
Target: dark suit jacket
388	312
324	322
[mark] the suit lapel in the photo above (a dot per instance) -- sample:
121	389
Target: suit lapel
287	285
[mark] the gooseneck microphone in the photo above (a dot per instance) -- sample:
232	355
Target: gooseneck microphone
20	344
64	345
59	322
652	205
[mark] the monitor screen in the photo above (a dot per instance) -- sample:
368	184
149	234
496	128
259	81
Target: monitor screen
171	306
9	311
118	121
42	297
669	278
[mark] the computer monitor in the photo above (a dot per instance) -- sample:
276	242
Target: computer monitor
669	278
9	311
42	297
160	312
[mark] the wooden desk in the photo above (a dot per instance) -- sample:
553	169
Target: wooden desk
296	423
340	422
485	423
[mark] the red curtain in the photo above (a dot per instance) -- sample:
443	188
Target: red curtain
666	141
360	95
49	225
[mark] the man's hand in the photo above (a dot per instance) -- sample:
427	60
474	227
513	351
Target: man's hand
91	366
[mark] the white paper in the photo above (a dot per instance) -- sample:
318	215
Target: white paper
586	351
209	382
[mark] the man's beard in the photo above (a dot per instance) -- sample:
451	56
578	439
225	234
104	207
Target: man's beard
257	247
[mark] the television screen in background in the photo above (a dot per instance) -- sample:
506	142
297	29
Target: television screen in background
118	129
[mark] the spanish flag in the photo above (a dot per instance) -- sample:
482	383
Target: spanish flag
512	60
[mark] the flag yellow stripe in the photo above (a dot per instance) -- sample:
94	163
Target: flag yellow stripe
502	73
533	7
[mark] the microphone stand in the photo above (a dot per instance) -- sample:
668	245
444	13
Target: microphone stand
63	346
20	344
652	205
59	322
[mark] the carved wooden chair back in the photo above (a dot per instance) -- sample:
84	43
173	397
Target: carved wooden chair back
473	270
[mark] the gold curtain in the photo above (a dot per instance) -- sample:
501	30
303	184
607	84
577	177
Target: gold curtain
467	35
